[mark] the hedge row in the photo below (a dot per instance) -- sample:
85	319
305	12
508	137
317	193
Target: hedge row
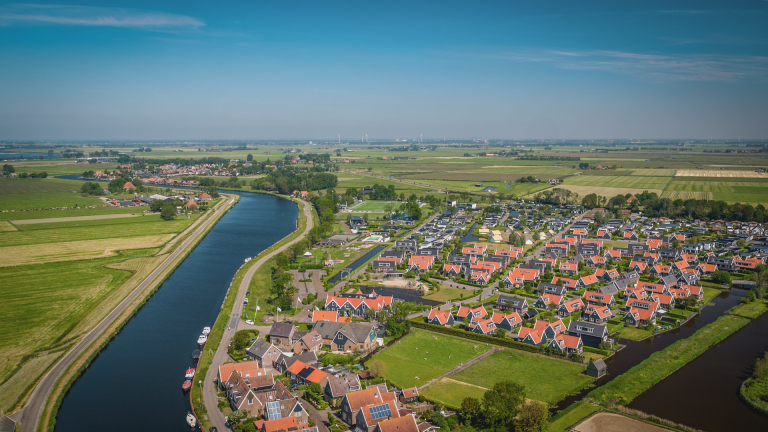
597	351
507	343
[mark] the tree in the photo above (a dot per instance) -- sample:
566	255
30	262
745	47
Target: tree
156	205
502	403
249	158
470	409
91	188
169	212
533	417
377	368
721	276
7	169
741	243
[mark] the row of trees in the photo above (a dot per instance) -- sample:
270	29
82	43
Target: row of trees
286	181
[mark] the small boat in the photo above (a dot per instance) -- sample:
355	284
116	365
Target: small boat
201	340
247	259
206	330
190	373
187	385
196	354
191	420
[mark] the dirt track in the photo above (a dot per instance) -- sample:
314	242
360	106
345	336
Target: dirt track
607	422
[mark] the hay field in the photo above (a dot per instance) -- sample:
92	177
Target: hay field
720	173
637	182
685	195
607	192
654	172
76	250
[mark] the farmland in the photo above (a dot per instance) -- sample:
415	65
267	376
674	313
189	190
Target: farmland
607	192
405	361
633	182
20	194
749	190
546	379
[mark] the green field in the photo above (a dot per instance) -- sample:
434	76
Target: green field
23	194
450	392
750	310
570	416
405	361
627	386
92	230
732	190
448	293
546	379
375	206
635	182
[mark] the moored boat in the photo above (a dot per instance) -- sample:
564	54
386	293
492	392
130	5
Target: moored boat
206	330
187	385
190	373
247	259
201	340
196	354
191	420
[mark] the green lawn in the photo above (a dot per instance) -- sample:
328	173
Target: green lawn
570	416
450	392
627	386
710	293
546	379
375	206
405	361
750	310
634	333
449	293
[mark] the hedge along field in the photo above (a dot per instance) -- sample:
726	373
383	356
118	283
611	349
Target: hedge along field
405	364
545	379
636	182
629	385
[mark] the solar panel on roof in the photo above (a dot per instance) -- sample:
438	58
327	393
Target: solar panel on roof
273	408
380	411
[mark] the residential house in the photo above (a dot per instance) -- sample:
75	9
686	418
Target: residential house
353	402
592	335
570	307
441	318
263	352
515	304
507	321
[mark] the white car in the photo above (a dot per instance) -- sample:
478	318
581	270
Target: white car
249	322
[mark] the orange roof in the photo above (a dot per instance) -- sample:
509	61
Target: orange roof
589	279
281	424
245	369
570	283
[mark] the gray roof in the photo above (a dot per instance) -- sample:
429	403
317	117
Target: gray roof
282	329
356	332
328	329
609	289
259	348
599	364
586	329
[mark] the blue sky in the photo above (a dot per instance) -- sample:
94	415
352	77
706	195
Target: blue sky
313	70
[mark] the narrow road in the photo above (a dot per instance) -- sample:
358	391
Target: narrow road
32	411
210	395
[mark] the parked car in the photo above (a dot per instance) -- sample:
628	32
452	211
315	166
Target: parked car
249	322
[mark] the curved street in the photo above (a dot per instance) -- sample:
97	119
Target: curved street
210	395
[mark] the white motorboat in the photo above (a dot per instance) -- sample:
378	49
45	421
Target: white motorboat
191	420
201	340
206	330
247	259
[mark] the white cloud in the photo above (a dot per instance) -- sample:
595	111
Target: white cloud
34	14
665	67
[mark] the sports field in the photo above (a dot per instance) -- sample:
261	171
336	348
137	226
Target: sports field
546	379
423	356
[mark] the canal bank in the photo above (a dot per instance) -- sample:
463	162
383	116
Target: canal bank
138	376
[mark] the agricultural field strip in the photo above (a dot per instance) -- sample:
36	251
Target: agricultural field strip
72	218
637	182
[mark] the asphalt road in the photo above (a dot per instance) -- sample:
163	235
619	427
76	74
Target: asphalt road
30	414
210	396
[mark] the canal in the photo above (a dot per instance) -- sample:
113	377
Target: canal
637	351
347	271
135	383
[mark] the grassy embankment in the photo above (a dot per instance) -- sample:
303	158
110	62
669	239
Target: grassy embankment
48	416
627	386
575	412
217	331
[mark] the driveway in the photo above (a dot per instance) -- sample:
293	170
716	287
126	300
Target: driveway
317	415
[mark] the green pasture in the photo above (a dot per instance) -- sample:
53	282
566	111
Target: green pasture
546	379
451	393
24	194
736	190
375	206
92	230
47	214
405	364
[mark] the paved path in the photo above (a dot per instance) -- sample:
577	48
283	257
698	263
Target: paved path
317	415
210	395
34	407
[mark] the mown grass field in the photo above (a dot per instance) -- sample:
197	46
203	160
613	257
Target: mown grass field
749	190
405	361
606	191
58	232
450	392
546	379
23	194
375	206
750	310
569	416
71	212
447	293
635	182
627	386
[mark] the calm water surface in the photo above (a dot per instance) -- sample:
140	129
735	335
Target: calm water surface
135	383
